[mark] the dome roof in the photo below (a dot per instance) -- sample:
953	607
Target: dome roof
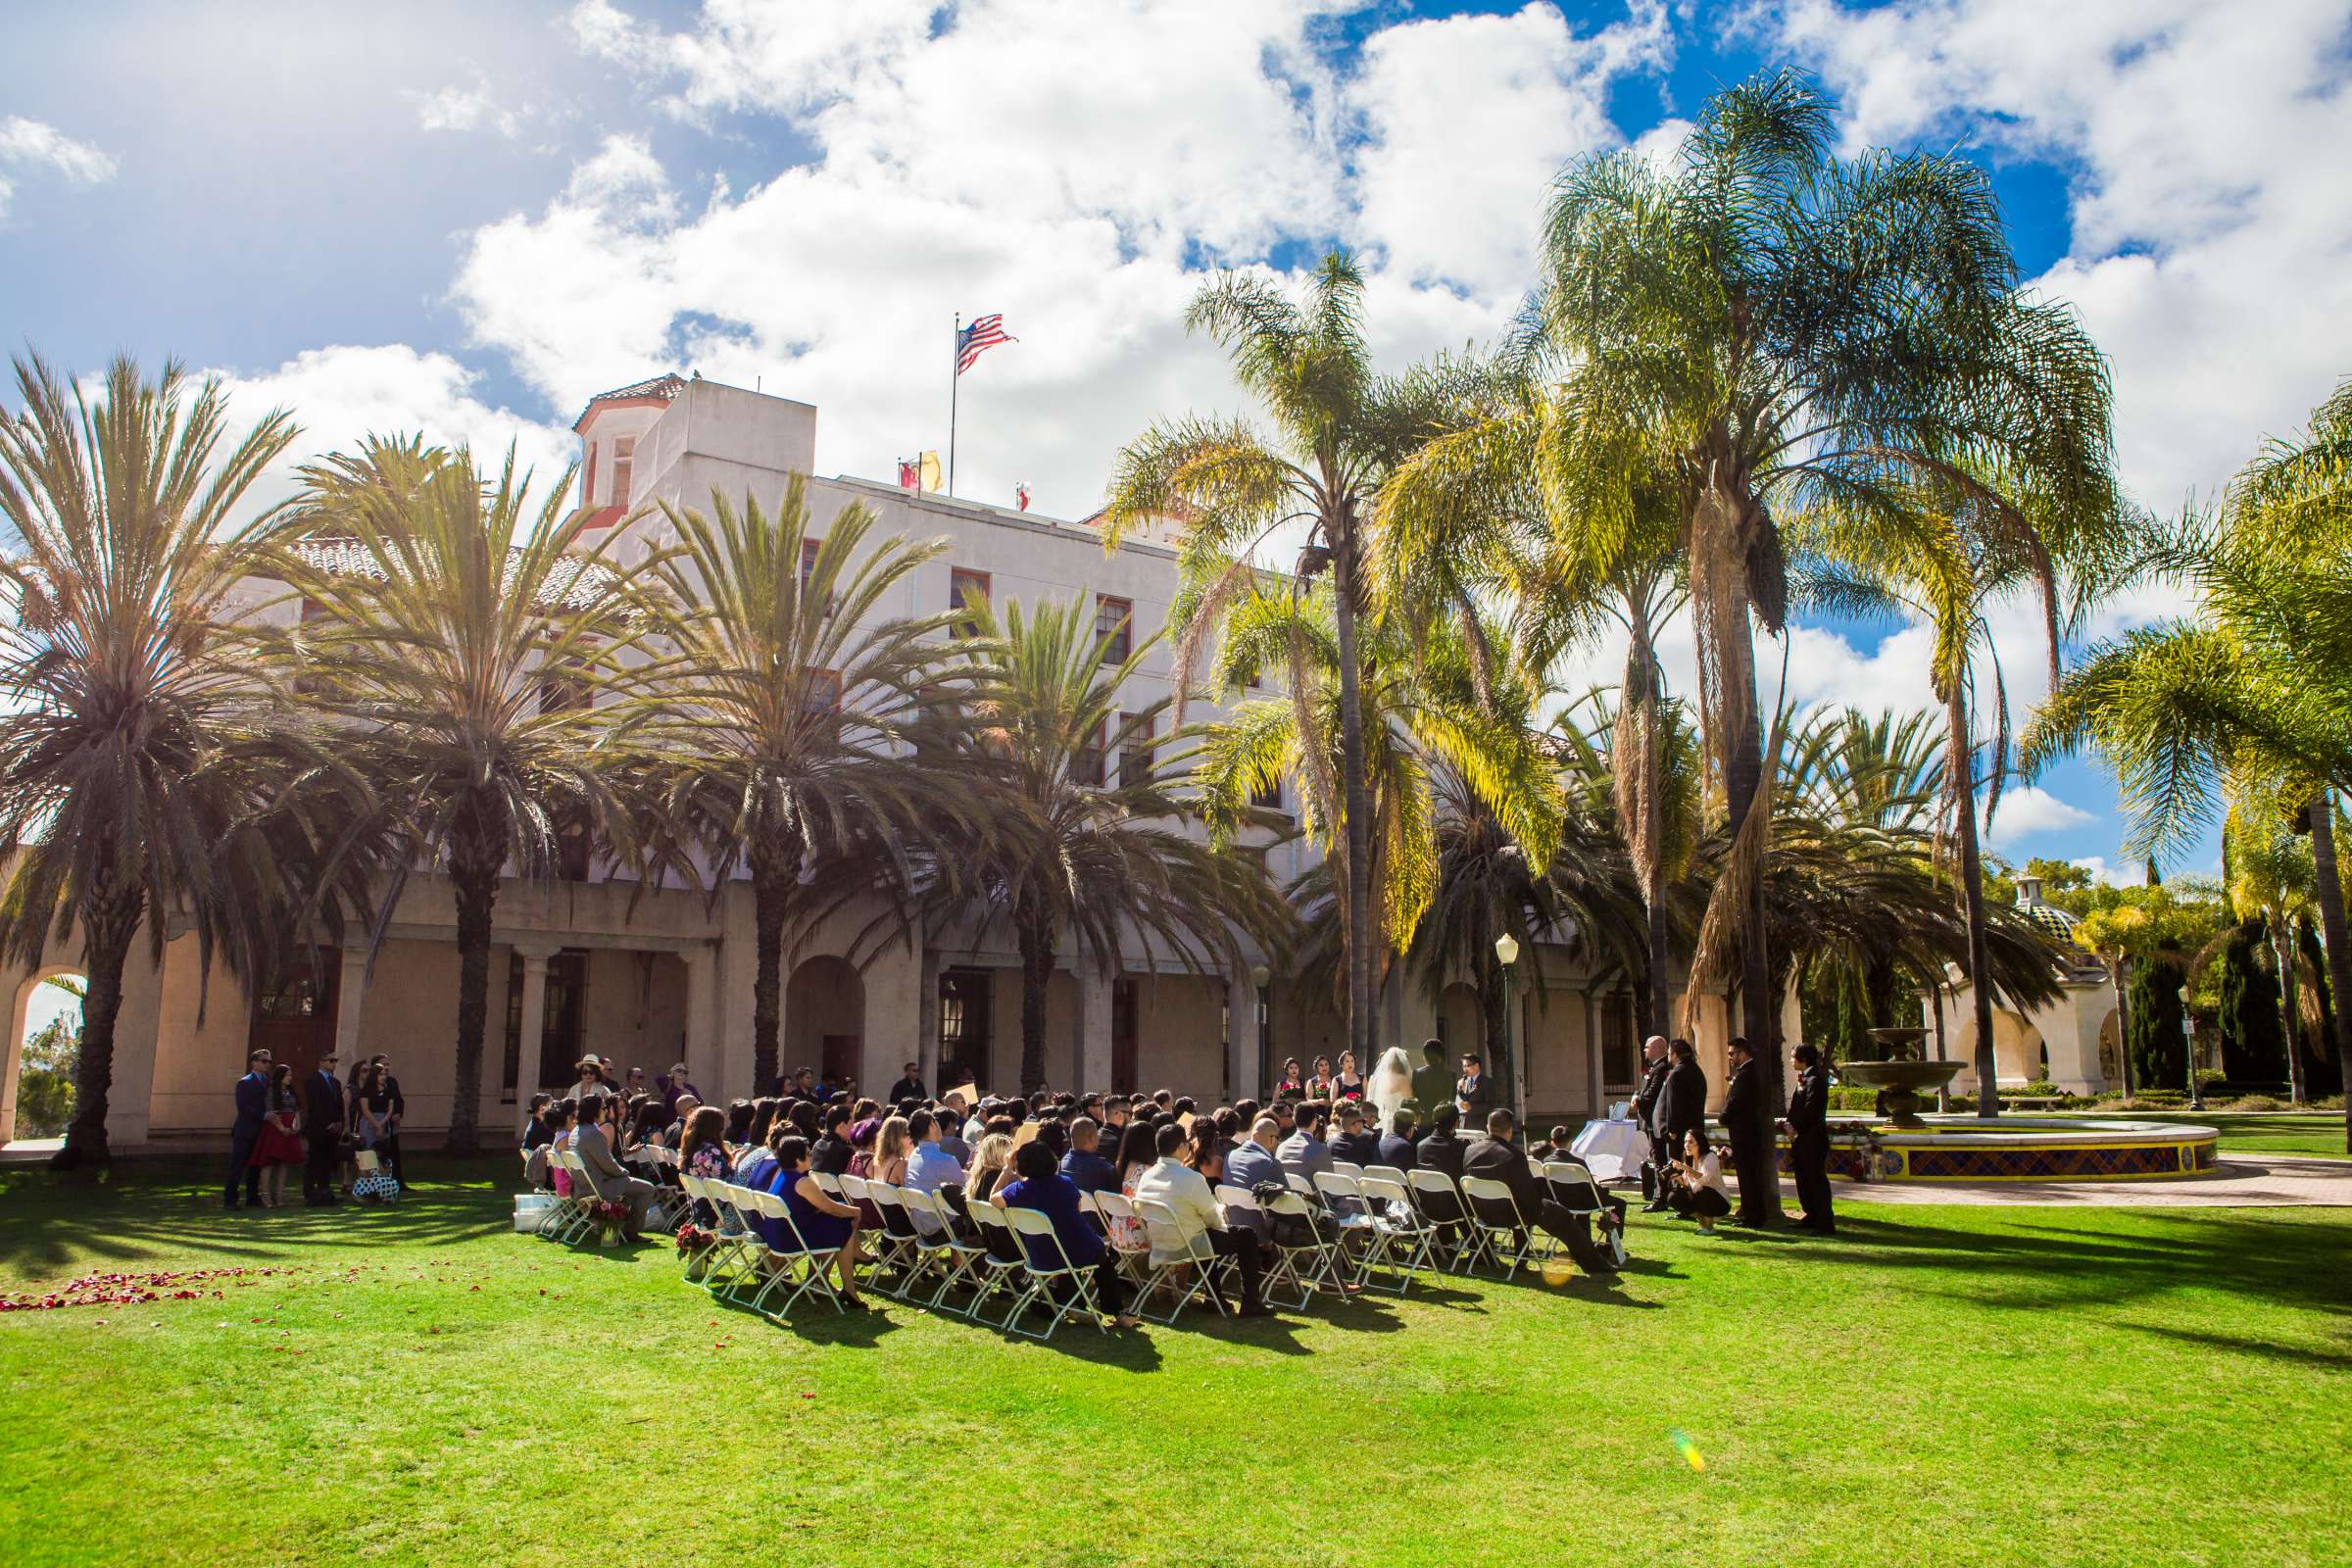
2052	919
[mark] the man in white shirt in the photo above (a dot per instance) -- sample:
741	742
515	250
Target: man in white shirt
929	1168
1189	1198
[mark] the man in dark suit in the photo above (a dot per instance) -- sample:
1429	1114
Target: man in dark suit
1433	1083
1084	1164
830	1154
1497	1158
1438	1149
1809	1127
1655	1065
1744	1128
1681	1108
1397	1145
908	1092
1353	1142
253	1110
322	1131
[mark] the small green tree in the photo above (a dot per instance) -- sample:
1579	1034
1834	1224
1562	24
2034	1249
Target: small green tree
45	1082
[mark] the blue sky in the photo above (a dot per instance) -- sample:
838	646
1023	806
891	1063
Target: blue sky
468	218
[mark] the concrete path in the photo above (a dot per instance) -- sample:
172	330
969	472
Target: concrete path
2244	1180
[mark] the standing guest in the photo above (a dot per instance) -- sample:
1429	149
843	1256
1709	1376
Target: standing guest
833	1151
377	1128
1397	1145
1038	1185
907	1093
1808	1129
1745	1129
323	1116
822	1221
1353	1143
396	1111
1474	1091
279	1143
1189	1198
1681	1106
633	1084
1655	1065
1433	1085
1697	1190
1084	1164
591	1080
1497	1158
1348	1081
1320	1083
1439	1148
1305	1152
672	1085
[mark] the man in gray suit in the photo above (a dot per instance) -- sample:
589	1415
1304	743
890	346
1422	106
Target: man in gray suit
613	1184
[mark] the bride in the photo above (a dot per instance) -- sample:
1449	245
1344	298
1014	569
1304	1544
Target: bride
1390	1086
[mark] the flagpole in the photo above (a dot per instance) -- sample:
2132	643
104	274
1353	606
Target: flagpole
954	376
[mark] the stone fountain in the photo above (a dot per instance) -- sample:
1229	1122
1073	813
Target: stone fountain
1904	1076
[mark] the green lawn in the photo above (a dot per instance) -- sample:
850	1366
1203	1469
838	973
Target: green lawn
1935	1386
2318	1133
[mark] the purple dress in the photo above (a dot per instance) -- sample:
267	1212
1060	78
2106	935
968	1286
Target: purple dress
821	1231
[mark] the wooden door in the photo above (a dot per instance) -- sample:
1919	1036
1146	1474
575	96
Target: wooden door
1124	1069
294	1016
841	1058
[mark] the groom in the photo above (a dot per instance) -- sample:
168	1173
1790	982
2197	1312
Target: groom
253	1108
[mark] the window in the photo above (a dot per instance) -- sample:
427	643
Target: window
557	1053
965	587
625	465
808	550
588	480
1267	795
1618	1069
563	690
1087	767
1114	622
1135	751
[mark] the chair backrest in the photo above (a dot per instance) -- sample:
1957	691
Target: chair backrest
1387	1173
1115	1206
1383	1189
1231	1196
1167	1236
920	1203
997	1231
1492	1202
892	1201
1434	1195
1029	1224
1572	1184
827	1183
1087	1203
1299	1184
1293	1206
1336	1189
1348	1168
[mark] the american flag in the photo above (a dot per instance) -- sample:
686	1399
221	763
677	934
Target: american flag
985	332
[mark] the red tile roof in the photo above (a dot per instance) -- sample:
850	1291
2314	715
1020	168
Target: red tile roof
661	388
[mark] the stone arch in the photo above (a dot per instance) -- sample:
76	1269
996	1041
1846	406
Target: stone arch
2019	1055
12	1055
824	1021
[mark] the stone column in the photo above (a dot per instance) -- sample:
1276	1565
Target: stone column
532	1029
701	1048
350	996
926	1020
1094	1029
1241	1038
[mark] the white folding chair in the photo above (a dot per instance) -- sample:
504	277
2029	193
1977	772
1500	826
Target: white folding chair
726	1248
1349	1168
751	1242
1344	1206
1387	1173
1401	1237
1511	1241
899	1247
1325	1269
1047	1280
1572	1184
958	1254
585	1197
1192	1266
796	1268
1281	1275
1002	1271
1439	1202
1124	1228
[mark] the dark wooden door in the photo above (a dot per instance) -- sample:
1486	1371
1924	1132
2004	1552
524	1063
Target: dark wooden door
841	1058
1124	1069
966	999
294	1016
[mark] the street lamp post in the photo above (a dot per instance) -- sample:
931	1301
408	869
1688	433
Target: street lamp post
2188	1031
1507	948
1259	978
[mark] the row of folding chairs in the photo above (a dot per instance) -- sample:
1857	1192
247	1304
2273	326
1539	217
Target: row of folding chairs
1397	1222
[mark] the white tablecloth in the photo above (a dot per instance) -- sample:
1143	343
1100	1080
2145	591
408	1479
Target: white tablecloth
1615	1150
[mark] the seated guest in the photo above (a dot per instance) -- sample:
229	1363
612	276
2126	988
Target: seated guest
1055	1136
1697	1190
703	1151
1039	1186
930	1167
1554	1146
1190	1200
1304	1151
760	1171
1353	1143
824	1222
1229	1124
538	1132
1397	1144
612	1182
894	1143
830	1155
1438	1149
675	1133
1118	1112
1285	1113
1253	1164
989	1157
947	1119
1497	1158
764	1116
739	1122
1084	1163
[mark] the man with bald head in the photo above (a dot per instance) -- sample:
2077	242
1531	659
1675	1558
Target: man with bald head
1655	1065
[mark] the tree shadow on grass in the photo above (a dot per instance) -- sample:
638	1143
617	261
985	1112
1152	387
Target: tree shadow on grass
2262	1349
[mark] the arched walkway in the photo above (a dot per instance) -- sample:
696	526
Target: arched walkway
824	1021
29	1011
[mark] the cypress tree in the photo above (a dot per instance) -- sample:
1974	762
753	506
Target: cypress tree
2323	1074
2252	1051
2156	1044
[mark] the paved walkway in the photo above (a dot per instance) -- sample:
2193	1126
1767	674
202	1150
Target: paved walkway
2245	1181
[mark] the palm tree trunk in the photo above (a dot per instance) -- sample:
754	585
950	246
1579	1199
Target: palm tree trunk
475	855
109	924
2282	949
2123	1020
1971	899
1658	978
1358	795
771	887
1037	973
2330	896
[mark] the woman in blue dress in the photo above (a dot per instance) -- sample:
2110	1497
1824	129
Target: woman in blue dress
823	1221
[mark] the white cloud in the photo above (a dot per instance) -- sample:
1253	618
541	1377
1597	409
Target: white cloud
2029	812
623	183
32	147
2108	877
2210	148
455	108
342	394
757	54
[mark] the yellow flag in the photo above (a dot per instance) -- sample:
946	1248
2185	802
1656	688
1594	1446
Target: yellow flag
931	471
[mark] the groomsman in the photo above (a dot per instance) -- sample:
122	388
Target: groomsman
1655	1065
1809	1127
253	1110
322	1131
1746	1128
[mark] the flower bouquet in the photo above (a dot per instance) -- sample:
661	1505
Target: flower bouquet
609	1217
694	1246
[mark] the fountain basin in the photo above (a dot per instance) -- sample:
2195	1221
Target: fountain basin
1903	1080
2041	1149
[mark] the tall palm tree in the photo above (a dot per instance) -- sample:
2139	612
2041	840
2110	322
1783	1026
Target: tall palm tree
143	774
1337	429
1939	550
2251	693
462	635
1090	841
1768	324
778	724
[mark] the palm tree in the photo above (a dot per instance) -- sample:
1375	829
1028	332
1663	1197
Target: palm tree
1337	430
1768	327
2250	695
1938	552
1090	842
462	635
2272	875
779	722
143	774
